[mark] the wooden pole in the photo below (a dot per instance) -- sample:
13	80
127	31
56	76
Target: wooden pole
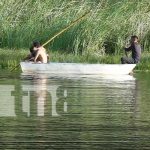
66	28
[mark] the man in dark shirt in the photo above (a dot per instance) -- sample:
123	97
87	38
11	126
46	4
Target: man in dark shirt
136	52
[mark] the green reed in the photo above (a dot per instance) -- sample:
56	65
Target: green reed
106	29
11	58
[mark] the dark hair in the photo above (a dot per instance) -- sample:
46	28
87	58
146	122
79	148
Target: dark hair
134	37
36	44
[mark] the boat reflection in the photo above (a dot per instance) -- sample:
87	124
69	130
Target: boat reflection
42	94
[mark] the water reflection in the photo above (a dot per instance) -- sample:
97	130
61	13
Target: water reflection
7	101
45	95
40	95
75	112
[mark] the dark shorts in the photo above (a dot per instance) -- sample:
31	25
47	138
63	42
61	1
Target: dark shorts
126	60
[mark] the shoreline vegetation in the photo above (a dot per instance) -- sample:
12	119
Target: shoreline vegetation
98	38
11	58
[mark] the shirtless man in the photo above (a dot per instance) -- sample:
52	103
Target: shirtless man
37	53
33	51
41	55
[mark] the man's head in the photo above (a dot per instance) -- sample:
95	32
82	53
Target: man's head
134	39
36	44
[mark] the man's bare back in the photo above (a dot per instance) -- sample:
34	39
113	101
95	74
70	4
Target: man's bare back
41	55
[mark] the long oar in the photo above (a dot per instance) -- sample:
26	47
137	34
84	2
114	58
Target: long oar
60	32
15	67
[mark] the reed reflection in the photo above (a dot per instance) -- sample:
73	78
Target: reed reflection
41	95
63	111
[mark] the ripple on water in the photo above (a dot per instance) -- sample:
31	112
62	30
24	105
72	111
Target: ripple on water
74	112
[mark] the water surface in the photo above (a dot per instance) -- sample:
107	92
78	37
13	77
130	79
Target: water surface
74	112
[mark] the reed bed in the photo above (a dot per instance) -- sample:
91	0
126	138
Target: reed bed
104	31
99	38
11	58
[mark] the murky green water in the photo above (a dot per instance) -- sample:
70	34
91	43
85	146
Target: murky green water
74	112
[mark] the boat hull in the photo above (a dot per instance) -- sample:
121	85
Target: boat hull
76	68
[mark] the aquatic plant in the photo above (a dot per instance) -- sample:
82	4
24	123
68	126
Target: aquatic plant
105	30
11	58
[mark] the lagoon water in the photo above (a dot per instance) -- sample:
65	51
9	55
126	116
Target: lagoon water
74	112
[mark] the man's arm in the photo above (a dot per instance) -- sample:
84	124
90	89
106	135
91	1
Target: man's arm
128	49
37	55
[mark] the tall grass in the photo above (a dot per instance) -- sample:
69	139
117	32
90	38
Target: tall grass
9	59
105	30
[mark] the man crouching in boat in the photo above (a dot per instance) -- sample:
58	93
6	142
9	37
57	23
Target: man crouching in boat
41	55
136	52
37	53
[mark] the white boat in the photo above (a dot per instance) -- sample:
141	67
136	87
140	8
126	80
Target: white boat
77	68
